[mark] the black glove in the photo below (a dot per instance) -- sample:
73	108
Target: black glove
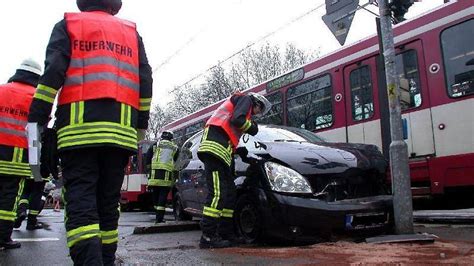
253	130
242	152
49	153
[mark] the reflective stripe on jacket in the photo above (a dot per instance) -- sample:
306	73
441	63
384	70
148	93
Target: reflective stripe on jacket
15	101
166	180
104	59
163	156
221	118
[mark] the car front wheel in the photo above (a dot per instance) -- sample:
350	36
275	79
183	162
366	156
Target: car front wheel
178	209
248	219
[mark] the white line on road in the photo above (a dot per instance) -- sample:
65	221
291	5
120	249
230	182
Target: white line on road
36	239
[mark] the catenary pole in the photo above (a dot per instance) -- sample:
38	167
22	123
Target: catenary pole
401	188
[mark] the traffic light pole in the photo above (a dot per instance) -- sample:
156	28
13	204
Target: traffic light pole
401	187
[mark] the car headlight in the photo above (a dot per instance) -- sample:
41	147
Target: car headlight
284	179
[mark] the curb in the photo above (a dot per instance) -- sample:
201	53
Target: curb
167	227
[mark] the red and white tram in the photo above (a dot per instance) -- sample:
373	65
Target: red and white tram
342	97
134	193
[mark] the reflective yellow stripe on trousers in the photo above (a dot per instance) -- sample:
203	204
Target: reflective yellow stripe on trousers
82	233
109	237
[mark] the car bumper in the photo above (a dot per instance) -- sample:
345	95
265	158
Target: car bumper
298	218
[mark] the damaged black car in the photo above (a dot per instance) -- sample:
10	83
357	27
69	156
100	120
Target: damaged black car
293	185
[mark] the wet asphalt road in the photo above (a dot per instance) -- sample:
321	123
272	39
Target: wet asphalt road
48	247
40	247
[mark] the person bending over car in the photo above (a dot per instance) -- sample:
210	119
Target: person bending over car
219	141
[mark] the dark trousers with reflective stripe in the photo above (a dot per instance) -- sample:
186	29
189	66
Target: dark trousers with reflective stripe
31	197
92	181
160	193
219	206
11	188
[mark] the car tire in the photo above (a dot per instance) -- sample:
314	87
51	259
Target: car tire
178	209
248	220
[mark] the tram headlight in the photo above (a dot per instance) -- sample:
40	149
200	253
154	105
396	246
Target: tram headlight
284	179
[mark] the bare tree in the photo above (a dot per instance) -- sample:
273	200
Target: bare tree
251	67
295	57
158	118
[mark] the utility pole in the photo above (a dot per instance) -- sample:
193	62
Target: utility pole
401	187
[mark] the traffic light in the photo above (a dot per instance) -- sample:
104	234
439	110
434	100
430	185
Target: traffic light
399	8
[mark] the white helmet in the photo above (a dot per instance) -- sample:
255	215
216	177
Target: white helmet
31	66
262	101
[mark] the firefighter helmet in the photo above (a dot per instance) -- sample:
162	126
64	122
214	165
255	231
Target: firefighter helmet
167	135
259	99
31	66
113	6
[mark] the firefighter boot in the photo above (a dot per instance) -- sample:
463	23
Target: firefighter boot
159	217
33	223
9	244
213	242
21	215
227	232
6	229
235	240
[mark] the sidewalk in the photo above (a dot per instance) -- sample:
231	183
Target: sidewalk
463	216
455	246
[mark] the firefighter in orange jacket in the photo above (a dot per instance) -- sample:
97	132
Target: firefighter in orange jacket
99	63
15	101
220	139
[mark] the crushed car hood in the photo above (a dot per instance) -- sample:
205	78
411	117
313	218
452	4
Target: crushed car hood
326	158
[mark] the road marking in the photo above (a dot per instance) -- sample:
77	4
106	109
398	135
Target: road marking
36	239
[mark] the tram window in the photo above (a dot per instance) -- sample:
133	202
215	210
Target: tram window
310	104
458	54
362	99
178	136
410	86
192	129
274	116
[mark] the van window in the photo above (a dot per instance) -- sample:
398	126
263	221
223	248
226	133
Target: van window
410	86
310	105
188	150
362	99
457	43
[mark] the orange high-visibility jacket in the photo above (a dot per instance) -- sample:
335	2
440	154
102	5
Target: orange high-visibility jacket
15	101
221	118
104	59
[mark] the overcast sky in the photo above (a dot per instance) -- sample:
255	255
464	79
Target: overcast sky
190	35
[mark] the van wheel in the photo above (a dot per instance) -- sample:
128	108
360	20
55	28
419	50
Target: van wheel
248	220
178	209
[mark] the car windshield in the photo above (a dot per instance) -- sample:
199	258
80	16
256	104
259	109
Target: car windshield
286	134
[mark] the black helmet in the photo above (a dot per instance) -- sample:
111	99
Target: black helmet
167	135
111	5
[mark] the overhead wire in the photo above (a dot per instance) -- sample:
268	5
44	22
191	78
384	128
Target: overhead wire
186	44
251	44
